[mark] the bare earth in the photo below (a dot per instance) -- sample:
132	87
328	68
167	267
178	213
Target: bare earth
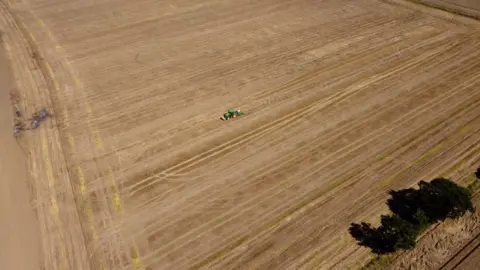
473	4
18	224
466	7
470	4
468	258
344	100
452	244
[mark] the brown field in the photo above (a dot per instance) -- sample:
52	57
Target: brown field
469	8
344	100
472	4
469	4
467	258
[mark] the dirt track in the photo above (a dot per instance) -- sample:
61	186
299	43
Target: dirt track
468	258
343	99
470	8
18	225
472	4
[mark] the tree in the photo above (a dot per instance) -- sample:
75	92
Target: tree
439	199
442	198
421	221
413	211
393	233
364	233
404	203
396	233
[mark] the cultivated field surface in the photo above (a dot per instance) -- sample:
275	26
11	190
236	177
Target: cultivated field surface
465	7
343	100
472	4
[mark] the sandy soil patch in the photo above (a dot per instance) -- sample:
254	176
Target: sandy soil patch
19	231
469	8
471	4
344	100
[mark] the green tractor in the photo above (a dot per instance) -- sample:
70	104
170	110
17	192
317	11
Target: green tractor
231	113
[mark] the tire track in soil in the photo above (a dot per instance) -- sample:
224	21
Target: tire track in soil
147	256
326	141
283	121
319	77
87	206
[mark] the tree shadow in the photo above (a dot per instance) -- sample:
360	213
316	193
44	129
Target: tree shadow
413	210
366	236
404	203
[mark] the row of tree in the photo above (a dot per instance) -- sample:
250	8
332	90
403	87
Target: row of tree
413	211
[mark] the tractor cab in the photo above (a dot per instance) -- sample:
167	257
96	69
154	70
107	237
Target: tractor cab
231	113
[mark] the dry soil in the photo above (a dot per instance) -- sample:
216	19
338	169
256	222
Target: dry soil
344	100
19	234
465	7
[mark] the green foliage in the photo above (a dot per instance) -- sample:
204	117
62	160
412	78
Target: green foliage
413	211
397	233
379	262
475	185
394	233
441	199
421	221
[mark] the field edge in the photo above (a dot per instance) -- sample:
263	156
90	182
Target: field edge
58	215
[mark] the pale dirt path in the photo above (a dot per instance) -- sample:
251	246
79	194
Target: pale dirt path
470	8
19	229
473	4
472	261
61	236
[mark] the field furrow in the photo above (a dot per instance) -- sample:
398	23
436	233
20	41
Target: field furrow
343	100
